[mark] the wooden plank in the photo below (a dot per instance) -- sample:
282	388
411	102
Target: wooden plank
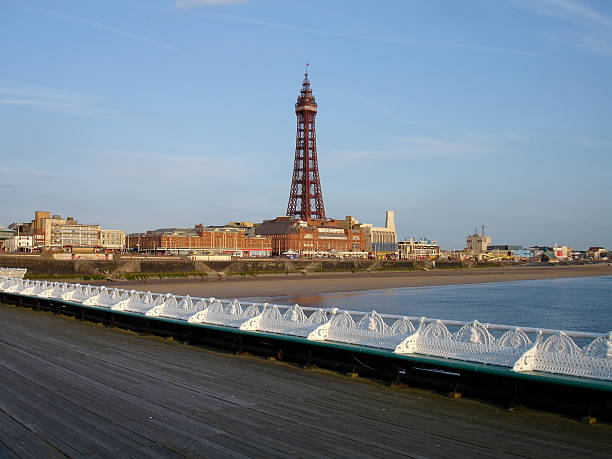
170	426
173	440
171	399
141	423
18	440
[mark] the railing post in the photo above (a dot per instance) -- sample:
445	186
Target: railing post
589	418
308	364
455	392
238	345
395	375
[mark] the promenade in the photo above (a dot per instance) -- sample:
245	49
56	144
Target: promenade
75	388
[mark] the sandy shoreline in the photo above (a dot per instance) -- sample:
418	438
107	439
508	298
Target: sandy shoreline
351	282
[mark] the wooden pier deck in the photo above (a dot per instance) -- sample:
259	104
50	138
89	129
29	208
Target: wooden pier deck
79	389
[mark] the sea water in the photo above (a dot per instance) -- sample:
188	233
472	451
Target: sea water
579	304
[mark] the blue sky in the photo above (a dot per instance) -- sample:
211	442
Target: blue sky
155	113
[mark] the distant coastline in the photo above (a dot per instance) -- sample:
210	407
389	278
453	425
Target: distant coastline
278	285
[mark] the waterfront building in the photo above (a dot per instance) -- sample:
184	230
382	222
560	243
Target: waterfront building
423	249
452	255
597	253
35	228
508	251
245	225
521	254
562	253
39	239
477	243
73	235
504	247
6	234
19	244
40	216
311	238
112	239
210	240
53	231
539	250
50	228
381	242
551	254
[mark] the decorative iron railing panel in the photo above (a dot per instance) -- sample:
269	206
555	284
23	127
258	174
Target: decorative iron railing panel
579	354
14	273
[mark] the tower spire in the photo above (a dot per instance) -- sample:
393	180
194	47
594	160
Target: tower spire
305	197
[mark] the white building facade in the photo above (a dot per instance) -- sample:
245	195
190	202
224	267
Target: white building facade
19	244
423	249
112	239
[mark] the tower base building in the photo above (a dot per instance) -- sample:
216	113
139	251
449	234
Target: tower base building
312	238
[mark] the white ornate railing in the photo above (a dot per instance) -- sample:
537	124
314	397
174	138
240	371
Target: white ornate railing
13	273
581	354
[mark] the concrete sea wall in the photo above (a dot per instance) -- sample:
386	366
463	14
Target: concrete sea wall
41	266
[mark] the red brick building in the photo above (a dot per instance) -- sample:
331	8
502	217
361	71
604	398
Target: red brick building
218	240
310	237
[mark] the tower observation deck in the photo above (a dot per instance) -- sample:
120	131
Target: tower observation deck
305	197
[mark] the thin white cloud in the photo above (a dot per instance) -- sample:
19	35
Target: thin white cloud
174	168
578	9
106	27
7	172
188	4
593	28
427	146
473	47
408	148
496	137
395	40
411	148
596	144
57	107
570	10
53	100
596	45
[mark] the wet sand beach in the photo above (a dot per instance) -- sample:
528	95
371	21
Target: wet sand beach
280	285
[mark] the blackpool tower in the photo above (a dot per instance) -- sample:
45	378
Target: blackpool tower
305	198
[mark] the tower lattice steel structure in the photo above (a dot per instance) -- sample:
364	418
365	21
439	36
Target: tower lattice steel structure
305	198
